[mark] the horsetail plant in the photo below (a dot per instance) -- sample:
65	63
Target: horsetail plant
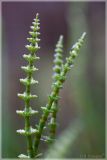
28	81
59	76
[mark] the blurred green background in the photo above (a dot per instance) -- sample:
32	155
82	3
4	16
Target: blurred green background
83	95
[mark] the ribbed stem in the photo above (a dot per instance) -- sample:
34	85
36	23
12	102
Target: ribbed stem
27	119
56	88
28	81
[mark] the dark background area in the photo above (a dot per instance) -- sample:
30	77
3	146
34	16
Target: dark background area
83	95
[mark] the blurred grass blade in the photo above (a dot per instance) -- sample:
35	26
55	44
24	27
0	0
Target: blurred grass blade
65	142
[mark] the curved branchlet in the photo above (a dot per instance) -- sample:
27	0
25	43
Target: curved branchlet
54	96
73	54
58	62
27	82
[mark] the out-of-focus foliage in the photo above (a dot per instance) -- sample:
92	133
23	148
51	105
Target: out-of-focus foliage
64	142
89	88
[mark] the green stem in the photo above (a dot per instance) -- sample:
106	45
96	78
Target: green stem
56	88
27	119
45	115
53	123
29	147
44	119
27	110
28	81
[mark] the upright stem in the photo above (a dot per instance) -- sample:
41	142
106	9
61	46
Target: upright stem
27	118
28	81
